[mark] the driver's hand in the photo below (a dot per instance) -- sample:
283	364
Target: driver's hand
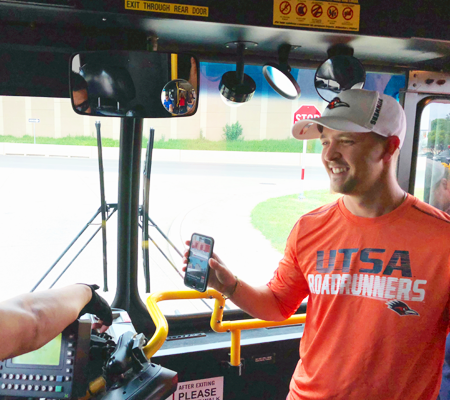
220	277
99	307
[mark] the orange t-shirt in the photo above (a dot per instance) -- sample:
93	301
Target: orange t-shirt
378	306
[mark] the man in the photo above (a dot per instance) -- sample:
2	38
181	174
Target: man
375	265
30	320
79	93
168	103
440	185
439	180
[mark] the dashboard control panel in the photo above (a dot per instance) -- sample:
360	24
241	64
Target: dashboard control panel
50	371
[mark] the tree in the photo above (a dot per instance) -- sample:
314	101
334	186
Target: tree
439	136
233	132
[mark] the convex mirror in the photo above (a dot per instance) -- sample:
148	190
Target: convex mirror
338	73
134	84
179	97
279	75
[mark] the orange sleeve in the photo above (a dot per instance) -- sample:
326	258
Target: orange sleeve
288	284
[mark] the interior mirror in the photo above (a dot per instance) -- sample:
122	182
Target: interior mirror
338	73
134	84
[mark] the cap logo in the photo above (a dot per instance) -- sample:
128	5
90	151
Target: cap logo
376	113
336	102
305	128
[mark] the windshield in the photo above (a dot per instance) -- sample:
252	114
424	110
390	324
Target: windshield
234	174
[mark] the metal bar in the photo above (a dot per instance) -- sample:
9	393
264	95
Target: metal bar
145	208
65	251
102	205
76	256
240	63
127	293
162	252
176	269
164	236
235	350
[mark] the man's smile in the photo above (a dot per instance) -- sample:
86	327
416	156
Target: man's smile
339	170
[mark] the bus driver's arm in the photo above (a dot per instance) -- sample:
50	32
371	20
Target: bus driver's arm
30	320
259	301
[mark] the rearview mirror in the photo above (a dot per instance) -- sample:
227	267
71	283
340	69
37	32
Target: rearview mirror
134	84
339	73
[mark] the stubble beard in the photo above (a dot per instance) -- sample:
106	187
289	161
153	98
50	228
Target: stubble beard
347	187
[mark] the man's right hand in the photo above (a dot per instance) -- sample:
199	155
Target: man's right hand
220	277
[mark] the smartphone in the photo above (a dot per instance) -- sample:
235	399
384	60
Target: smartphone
197	271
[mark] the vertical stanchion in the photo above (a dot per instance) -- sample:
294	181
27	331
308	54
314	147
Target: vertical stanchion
102	205
145	209
301	195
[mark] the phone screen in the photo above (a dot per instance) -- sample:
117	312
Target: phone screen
197	271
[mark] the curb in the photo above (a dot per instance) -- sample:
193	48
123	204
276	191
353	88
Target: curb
197	156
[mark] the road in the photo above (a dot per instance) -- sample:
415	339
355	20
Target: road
46	201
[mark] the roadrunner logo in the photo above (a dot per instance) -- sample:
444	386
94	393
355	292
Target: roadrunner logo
401	308
336	102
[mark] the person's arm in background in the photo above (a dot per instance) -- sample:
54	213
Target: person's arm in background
30	320
259	301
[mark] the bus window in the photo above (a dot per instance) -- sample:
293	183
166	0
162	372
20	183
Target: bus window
432	183
233	173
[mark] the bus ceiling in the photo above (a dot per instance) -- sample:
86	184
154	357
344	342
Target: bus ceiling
384	35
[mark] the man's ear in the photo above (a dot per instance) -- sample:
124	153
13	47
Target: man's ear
444	183
392	144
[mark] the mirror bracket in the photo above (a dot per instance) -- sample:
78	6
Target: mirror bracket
340	50
152	43
283	56
240	47
236	88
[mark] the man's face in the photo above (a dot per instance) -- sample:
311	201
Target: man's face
80	101
353	160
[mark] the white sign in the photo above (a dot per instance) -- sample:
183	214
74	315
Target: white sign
34	120
203	389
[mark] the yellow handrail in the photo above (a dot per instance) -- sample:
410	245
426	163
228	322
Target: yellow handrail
217	323
174	66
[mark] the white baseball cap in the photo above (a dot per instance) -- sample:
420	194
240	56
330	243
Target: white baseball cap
357	110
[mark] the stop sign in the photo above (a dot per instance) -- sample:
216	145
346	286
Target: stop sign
306	112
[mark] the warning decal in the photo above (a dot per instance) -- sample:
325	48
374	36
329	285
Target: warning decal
338	15
156	6
203	389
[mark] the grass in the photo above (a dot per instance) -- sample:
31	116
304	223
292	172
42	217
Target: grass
275	218
69	140
268	145
418	192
